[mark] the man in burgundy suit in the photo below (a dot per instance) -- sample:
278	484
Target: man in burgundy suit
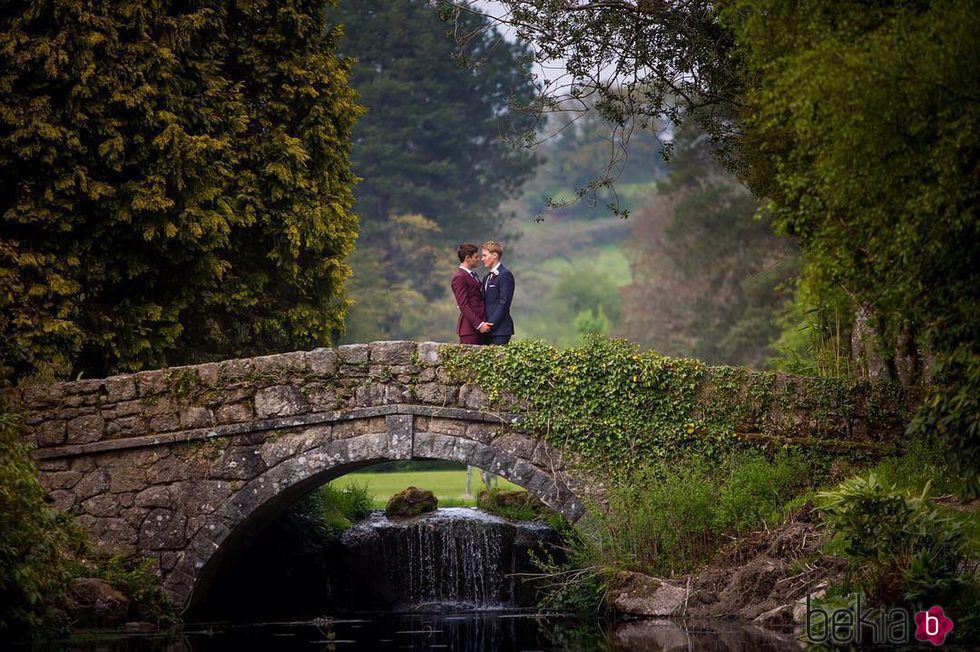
469	296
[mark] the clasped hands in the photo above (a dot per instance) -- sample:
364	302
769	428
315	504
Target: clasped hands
486	326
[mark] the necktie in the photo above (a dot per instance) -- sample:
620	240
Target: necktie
473	274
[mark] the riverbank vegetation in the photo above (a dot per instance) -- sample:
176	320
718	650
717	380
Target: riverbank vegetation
890	530
48	570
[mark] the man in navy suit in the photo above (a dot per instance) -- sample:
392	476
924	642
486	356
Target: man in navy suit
468	290
498	293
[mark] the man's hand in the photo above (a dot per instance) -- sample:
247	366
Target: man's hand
485	327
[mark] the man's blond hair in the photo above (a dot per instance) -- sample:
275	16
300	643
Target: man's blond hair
494	247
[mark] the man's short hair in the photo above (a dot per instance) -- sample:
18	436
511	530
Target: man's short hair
494	247
466	250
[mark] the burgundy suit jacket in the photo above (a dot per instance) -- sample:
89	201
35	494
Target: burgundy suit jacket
469	300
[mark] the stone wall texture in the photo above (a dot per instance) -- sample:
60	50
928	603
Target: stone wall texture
176	464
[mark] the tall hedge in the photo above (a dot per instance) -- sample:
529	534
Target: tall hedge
174	182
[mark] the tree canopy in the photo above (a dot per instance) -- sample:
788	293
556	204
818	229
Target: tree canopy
174	182
434	139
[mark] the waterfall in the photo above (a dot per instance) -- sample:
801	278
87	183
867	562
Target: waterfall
454	558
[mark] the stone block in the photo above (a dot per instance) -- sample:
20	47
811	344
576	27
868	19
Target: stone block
53	465
123	409
120	388
114	535
448	427
433	445
168	469
515	444
400	436
94	483
643	595
59	480
435	394
51	433
482	432
105	505
61	499
353	353
473	398
156	496
163	529
234	413
126	427
194	416
200	497
392	353
165	422
281	365
279	447
233	372
151	383
88	386
395	394
427	375
85	429
126	477
428	354
239	463
370	394
210	373
167	560
83	464
35	396
279	401
322	362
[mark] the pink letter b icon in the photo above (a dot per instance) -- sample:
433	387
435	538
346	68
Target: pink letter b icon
933	625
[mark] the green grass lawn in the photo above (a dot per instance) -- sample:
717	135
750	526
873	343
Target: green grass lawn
448	486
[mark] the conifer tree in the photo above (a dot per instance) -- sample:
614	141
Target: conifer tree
174	182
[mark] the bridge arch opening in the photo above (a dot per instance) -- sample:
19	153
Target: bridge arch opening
219	543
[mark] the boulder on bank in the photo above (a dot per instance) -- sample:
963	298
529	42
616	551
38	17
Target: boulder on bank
96	602
411	502
642	595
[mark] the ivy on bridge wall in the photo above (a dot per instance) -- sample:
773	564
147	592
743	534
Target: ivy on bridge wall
616	407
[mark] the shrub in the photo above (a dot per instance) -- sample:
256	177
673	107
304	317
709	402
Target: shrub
898	546
670	519
334	510
756	489
36	542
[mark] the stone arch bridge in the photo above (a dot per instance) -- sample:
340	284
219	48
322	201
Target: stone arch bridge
180	465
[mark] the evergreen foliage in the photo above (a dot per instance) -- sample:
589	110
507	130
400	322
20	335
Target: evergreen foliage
174	183
433	141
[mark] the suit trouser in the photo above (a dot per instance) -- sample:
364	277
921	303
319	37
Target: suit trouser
471	339
499	339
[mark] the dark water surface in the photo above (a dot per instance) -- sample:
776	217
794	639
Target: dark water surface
448	580
477	631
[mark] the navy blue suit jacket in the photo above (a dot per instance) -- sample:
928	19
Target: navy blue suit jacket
497	297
